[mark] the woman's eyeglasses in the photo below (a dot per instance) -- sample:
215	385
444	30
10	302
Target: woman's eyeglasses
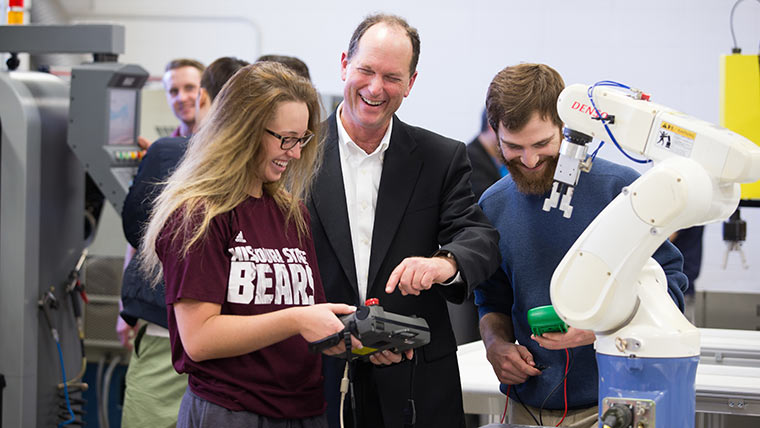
287	143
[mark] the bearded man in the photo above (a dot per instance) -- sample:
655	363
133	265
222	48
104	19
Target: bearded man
522	108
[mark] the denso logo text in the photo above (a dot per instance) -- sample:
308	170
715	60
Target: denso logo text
583	108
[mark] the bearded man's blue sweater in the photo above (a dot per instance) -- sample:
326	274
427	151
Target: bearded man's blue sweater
532	244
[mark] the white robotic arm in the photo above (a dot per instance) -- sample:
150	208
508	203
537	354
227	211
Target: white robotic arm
608	280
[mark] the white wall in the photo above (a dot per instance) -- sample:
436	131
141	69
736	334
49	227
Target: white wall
670	49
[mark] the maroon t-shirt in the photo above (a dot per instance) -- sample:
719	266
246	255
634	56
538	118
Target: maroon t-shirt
250	264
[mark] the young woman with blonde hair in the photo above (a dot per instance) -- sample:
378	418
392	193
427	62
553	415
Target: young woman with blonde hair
231	237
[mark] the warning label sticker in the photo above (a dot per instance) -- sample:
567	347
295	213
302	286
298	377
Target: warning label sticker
678	140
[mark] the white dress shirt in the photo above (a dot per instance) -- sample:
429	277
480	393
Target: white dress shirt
361	179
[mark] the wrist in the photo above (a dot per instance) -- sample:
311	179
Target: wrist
492	338
448	257
294	316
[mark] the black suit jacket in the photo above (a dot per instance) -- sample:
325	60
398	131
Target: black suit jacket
424	203
140	300
484	170
159	161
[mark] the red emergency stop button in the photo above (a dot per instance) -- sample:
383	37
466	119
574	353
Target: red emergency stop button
372	302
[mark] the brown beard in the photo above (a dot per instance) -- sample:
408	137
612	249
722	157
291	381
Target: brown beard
533	184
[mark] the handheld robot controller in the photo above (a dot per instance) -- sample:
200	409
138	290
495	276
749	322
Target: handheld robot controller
378	331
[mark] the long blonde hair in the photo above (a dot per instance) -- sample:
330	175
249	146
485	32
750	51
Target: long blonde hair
221	160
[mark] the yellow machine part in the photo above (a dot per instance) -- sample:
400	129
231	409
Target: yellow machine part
740	103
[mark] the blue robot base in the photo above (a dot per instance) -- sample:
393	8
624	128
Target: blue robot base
653	388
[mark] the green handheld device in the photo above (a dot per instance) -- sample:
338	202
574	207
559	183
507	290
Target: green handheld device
543	319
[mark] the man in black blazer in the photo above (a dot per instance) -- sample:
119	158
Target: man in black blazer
393	217
487	164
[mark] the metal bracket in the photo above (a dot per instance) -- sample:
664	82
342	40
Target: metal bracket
627	344
734	404
643	410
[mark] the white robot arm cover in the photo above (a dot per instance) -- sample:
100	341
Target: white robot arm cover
598	284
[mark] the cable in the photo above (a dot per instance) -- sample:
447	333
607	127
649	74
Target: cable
77	405
593	155
65	386
735	48
519	400
606	127
343	391
539	421
48	301
568	365
346	384
75	291
66	414
351	369
106	388
505	405
410	411
45	303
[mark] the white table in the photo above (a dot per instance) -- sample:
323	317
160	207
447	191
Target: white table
728	375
